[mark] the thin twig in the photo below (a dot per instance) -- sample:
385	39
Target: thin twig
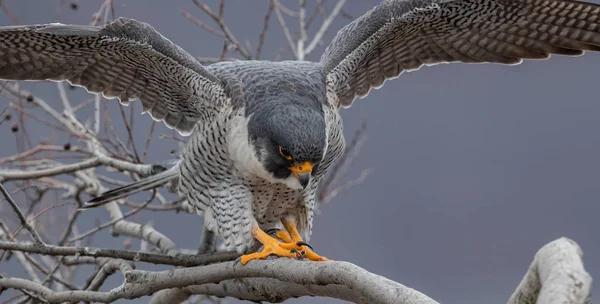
319	11
13	18
45	271
201	24
341	166
14	234
285	29
53	125
41	148
129	134
114	221
24	222
287	10
263	32
228	34
83	104
150	133
324	26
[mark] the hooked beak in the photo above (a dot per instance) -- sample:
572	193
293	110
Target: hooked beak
302	172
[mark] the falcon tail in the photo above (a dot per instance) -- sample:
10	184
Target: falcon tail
147	183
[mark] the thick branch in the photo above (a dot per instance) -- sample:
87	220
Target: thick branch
108	269
371	288
271	290
555	276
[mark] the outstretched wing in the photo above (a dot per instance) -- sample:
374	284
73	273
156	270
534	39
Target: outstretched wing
126	59
403	35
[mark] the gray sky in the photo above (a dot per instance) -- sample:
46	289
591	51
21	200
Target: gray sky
475	167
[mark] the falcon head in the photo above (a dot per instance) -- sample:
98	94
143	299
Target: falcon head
289	139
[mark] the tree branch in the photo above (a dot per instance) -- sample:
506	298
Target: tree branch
36	237
286	31
328	277
177	260
324	26
108	269
555	276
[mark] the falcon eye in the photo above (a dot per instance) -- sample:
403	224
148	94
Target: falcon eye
285	153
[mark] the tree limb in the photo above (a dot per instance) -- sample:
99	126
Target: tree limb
336	278
36	237
555	276
178	260
108	269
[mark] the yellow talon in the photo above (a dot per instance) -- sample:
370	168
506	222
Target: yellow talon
270	246
291	247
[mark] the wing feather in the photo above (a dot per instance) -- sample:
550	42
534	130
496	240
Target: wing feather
125	59
403	35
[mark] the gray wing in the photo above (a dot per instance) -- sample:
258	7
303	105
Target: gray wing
126	59
403	35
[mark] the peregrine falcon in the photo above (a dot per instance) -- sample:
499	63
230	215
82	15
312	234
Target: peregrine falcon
262	134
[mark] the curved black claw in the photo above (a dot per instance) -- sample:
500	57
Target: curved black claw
303	243
299	255
272	231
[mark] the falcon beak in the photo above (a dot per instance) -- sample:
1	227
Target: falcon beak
302	172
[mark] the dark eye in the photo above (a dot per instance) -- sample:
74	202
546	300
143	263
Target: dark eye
285	153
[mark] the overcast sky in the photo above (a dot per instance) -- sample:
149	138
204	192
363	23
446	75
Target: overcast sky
475	167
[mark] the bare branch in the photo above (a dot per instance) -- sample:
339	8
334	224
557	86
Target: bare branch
263	32
41	148
228	34
65	100
10	174
9	13
326	23
201	24
147	145
372	288
302	26
329	188
174	260
97	99
108	269
555	276
286	10
129	133
114	221
285	29
319	11
34	234
4	235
